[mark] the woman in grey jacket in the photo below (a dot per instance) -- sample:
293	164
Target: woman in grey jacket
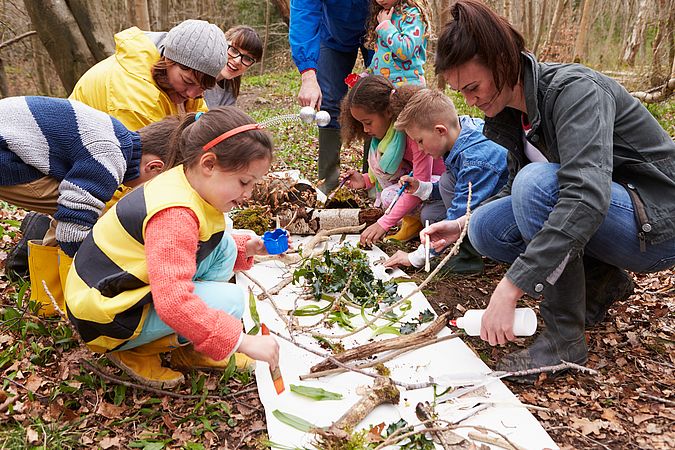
591	189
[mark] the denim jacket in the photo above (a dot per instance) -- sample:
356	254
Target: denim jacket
598	133
475	159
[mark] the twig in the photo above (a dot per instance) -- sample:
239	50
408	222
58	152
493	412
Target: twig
392	355
16	383
564	365
16	39
265	293
282	284
253	431
658	399
499	442
142	387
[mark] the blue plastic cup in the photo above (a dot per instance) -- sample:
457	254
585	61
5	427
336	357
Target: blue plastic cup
276	241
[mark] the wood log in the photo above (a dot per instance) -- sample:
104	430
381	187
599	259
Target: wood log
310	221
383	391
372	348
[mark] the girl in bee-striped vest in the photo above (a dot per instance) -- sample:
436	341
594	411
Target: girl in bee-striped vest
152	276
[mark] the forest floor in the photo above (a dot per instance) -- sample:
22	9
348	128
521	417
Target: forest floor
56	394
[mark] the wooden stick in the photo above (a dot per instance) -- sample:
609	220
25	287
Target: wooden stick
364	351
427	245
499	442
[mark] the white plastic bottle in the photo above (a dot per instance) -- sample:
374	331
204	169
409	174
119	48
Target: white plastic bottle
524	323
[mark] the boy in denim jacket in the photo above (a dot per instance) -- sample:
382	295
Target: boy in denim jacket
430	119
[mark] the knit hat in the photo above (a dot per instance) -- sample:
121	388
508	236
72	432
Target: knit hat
197	44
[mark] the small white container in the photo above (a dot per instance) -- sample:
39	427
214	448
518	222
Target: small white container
524	323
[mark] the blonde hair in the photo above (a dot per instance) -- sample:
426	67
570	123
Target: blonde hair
427	108
375	8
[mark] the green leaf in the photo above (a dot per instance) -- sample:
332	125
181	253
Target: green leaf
293	421
120	393
312	310
315	393
253	309
386	329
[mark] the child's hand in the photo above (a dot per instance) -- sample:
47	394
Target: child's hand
413	184
400	258
261	348
372	234
354	179
441	234
255	246
385	15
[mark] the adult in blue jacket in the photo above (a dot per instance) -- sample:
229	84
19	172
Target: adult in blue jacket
325	38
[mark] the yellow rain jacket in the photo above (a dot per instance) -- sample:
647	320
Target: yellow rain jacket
108	292
122	84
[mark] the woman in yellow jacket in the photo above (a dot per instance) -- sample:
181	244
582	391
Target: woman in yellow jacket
155	74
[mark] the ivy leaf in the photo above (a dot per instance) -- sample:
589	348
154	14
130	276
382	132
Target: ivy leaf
315	393
408	327
426	316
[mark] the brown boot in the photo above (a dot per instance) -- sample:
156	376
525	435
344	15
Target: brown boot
144	363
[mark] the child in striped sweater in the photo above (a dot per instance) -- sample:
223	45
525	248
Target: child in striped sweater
66	159
152	276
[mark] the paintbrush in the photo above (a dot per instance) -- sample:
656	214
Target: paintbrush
398	194
342	183
276	373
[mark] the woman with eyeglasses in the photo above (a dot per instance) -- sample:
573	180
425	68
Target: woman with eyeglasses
155	74
245	48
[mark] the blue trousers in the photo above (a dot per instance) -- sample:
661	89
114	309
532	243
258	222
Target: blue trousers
502	228
211	285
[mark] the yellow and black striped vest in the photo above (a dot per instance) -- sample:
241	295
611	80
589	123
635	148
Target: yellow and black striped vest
107	292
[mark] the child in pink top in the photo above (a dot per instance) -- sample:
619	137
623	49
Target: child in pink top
370	109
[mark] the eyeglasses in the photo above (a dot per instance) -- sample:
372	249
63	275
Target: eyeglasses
245	59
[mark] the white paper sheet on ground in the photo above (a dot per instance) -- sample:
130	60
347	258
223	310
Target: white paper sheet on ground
447	357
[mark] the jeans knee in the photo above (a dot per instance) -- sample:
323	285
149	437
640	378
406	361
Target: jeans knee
535	177
479	232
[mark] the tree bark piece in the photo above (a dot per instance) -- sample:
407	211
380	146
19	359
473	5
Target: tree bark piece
303	221
383	391
372	348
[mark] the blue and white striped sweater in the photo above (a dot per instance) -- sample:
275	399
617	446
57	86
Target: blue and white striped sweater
88	151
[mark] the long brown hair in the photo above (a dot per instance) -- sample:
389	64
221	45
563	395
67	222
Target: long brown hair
375	8
247	39
477	31
375	94
235	152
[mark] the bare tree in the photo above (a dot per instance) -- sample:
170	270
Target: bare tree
163	15
555	23
637	34
142	14
582	37
540	27
284	8
73	35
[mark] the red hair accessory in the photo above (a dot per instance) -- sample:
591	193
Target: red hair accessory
352	79
232	132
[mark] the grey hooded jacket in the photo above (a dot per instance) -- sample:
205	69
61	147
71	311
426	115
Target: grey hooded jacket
598	133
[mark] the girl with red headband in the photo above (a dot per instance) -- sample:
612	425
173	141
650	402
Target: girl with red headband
152	276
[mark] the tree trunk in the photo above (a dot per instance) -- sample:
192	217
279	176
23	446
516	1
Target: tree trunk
267	37
4	90
555	23
540	27
61	36
506	11
658	45
582	37
284	8
142	14
163	15
39	60
637	34
612	25
94	25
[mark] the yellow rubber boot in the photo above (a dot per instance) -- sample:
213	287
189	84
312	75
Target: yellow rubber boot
410	228
188	358
43	264
144	363
65	262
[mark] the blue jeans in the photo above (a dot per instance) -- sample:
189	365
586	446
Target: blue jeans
333	68
211	286
502	228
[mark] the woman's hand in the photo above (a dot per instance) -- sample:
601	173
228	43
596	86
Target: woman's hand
255	246
372	234
441	234
413	184
310	92
400	258
354	179
385	15
497	324
261	348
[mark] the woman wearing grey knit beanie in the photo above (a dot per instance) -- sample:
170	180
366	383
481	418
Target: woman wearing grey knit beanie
155	74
